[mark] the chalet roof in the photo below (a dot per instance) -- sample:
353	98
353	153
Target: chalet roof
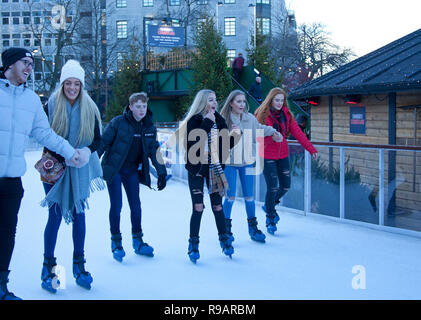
394	67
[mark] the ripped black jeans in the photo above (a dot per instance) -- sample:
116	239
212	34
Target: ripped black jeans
278	181
196	184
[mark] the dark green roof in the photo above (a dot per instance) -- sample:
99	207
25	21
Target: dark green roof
394	67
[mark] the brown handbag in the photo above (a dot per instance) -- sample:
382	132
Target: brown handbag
50	168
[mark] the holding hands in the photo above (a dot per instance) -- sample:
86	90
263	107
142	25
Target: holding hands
277	137
80	158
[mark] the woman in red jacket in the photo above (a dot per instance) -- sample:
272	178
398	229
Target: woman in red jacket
274	112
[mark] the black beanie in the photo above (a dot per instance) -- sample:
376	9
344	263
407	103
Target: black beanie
11	55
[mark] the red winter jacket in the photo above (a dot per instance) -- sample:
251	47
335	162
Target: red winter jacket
272	150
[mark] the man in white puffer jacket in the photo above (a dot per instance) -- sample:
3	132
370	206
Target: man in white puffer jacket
21	116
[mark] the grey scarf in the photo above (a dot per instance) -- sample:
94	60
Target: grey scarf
72	191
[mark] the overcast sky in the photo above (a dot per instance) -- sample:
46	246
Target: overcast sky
362	25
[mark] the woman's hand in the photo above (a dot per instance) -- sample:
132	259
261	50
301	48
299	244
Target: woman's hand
277	137
315	155
211	115
235	130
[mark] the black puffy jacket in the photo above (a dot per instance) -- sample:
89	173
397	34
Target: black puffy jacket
117	139
200	164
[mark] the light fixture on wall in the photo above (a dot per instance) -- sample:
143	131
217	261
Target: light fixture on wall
314	101
352	99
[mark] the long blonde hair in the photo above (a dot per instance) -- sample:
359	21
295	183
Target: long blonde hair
226	109
88	113
198	106
262	112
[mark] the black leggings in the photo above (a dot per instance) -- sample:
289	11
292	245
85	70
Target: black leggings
196	191
11	193
278	181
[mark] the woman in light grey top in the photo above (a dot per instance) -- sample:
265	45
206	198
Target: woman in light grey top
243	158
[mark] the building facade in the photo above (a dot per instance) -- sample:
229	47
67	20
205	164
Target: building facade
99	33
236	20
54	31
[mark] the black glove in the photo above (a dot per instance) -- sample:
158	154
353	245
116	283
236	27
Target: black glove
162	182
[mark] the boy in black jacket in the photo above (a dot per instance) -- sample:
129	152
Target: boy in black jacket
129	140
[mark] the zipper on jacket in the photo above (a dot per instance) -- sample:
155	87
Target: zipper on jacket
12	131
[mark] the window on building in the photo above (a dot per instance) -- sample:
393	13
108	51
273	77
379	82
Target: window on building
121	3
148	3
16	43
26	20
6	43
5	14
263	25
37	20
15	0
47	42
229	1
27	42
5	20
5	1
231	53
202	2
229	26
263	1
122	29
174	2
15	20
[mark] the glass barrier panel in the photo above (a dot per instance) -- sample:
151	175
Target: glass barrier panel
362	185
402	171
325	182
294	198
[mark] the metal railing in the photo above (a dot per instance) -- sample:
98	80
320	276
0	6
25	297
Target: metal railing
372	185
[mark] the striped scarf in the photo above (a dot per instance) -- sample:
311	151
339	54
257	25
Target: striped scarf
217	180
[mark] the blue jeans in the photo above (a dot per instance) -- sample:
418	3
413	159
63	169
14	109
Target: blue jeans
53	225
247	185
130	180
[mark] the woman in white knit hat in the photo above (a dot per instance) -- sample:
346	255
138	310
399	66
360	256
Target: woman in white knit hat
74	116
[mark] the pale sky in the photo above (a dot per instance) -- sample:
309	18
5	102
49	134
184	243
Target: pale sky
362	25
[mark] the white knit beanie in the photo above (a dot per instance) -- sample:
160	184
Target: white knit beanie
72	69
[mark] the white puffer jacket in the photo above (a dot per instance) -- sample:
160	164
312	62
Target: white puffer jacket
21	116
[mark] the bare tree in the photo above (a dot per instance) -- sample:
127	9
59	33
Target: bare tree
311	55
317	52
103	48
58	27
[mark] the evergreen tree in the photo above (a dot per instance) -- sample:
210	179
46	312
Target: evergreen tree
210	62
260	56
128	80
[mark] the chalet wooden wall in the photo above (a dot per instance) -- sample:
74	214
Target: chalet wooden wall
408	164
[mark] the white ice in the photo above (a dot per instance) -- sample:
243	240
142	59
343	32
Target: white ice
309	257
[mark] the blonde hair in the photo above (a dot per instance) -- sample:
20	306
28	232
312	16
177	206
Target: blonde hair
198	106
226	109
88	113
262	112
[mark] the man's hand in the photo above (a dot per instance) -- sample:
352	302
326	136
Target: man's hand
85	154
162	182
74	161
